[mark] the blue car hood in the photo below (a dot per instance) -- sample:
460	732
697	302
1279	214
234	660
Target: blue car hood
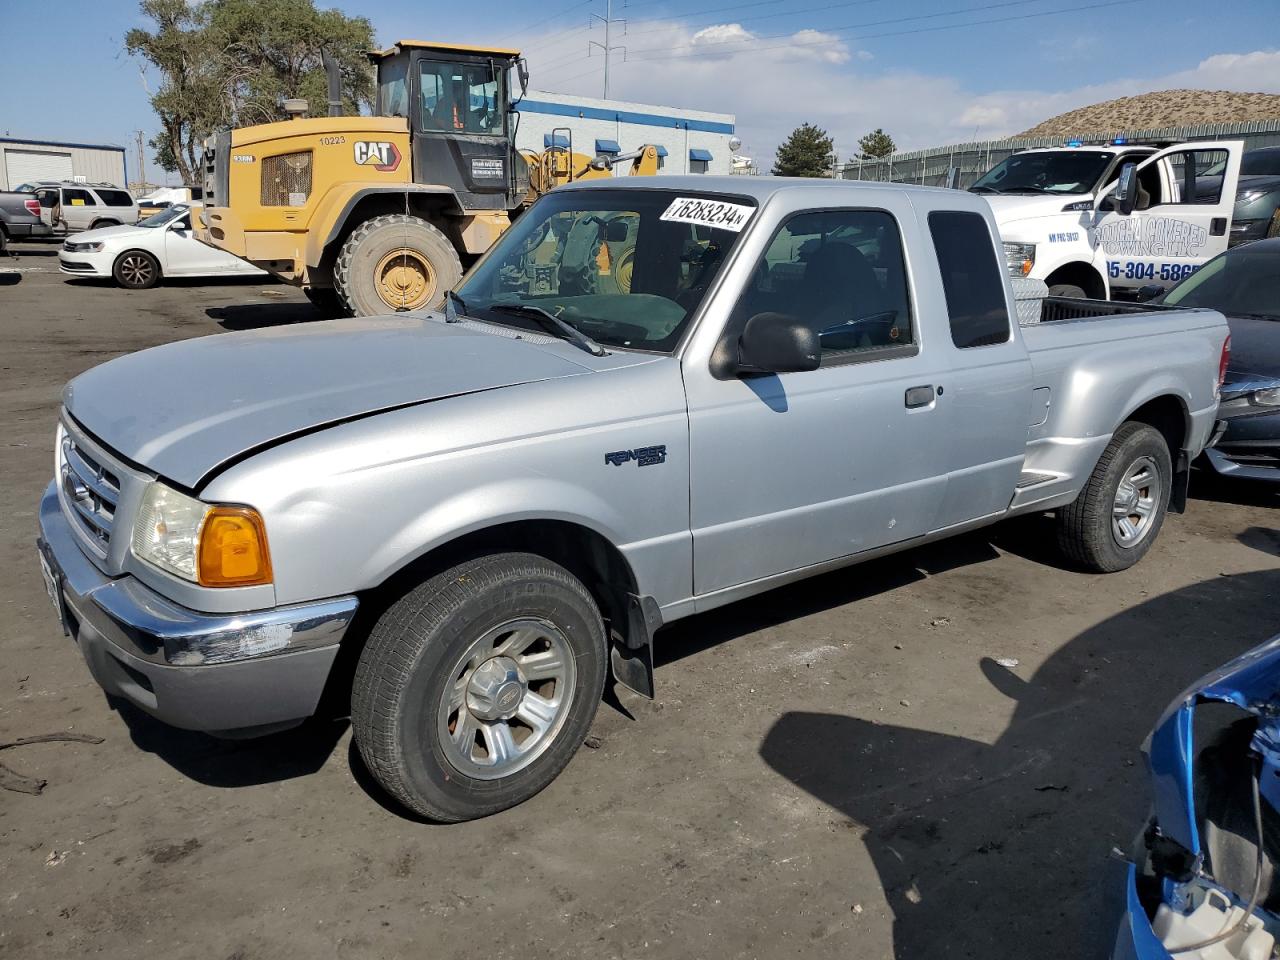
1251	682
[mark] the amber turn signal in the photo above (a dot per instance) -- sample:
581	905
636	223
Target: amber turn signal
233	548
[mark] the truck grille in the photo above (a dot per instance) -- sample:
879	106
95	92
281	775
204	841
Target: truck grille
286	179
90	492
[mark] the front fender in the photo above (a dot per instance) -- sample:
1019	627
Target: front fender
335	207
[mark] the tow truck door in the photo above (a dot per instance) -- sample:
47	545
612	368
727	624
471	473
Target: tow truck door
1186	194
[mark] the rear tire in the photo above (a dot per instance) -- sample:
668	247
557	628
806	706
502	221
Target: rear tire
327	302
1116	518
395	263
1068	290
457	707
136	270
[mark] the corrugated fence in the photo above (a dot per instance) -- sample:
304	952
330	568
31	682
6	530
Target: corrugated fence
974	159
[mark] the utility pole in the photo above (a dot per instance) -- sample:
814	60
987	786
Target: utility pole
142	159
608	47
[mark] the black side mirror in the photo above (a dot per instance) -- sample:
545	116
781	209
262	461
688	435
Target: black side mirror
777	343
616	231
1127	190
1150	292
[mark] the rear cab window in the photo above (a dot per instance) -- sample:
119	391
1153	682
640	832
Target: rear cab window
115	198
972	278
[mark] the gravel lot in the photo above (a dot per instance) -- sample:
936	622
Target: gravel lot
836	769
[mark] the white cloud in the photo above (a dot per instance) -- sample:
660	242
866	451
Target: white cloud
812	77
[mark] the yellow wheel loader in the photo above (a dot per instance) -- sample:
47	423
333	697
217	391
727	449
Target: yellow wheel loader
378	214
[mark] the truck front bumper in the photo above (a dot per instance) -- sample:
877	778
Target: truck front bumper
234	674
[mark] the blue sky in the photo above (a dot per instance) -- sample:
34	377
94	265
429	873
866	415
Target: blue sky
772	63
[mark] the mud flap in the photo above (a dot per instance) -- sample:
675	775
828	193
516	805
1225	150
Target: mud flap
1181	484
632	658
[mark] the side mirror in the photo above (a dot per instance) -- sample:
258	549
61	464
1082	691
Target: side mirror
183	224
1126	197
616	231
1150	292
777	343
522	71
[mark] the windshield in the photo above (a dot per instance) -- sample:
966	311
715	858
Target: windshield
1067	171
1244	280
626	267
168	214
462	97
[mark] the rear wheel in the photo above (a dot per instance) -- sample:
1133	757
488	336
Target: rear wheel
1112	524
103	223
136	270
394	263
327	302
477	687
1068	290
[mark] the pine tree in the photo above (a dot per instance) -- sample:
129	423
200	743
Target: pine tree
806	153
876	144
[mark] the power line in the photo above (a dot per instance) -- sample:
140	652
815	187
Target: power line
544	20
759	16
698	49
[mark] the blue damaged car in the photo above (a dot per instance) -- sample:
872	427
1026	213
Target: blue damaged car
1203	884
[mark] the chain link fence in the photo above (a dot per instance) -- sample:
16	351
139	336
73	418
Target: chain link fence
930	166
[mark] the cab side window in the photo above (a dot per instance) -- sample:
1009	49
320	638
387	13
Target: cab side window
842	273
972	278
77	198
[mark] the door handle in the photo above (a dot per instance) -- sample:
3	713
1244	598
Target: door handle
1218	226
920	396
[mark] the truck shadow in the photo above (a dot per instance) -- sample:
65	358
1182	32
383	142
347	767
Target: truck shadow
256	316
1000	850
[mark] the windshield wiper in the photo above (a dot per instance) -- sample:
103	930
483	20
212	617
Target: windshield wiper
975	189
550	321
452	304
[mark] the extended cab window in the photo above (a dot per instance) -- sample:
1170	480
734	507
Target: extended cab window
972	278
841	272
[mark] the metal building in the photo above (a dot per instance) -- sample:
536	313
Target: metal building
688	141
22	161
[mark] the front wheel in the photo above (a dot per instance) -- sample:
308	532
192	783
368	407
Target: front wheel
136	270
1069	290
1112	524
477	687
395	263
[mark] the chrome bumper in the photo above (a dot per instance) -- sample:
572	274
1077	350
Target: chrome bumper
213	672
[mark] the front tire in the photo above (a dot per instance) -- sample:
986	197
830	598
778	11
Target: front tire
1116	518
395	263
136	270
477	687
1069	290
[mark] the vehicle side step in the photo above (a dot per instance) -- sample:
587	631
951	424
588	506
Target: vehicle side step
1030	478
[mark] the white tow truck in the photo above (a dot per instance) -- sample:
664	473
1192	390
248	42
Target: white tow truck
1063	222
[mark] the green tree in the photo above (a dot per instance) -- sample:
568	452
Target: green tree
807	152
876	144
228	63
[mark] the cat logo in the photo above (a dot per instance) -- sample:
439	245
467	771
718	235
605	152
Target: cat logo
378	154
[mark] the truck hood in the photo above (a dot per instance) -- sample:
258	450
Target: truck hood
1024	206
182	409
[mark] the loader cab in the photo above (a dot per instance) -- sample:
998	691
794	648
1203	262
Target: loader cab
458	106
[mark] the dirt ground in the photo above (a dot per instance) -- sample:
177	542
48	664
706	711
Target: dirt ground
837	769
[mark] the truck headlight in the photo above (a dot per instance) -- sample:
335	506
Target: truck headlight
1020	258
213	545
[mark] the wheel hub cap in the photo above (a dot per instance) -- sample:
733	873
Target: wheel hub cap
1136	503
495	689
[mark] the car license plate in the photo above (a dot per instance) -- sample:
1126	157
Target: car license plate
54	589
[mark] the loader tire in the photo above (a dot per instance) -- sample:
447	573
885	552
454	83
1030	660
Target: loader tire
1116	518
395	263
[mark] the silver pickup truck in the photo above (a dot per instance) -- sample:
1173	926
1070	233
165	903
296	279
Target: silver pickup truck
648	399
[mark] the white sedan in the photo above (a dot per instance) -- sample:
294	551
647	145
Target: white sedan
139	256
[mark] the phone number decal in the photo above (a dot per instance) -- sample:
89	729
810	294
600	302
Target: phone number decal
1147	270
709	213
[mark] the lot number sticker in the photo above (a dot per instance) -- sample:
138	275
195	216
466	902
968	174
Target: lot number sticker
709	213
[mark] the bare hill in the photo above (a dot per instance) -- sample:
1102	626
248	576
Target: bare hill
1165	108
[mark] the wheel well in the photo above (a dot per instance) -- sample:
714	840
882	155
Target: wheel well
586	554
1168	415
1081	275
104	221
432	207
